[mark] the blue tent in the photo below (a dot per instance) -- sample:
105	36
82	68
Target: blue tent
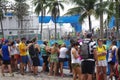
67	19
111	23
44	19
77	26
73	20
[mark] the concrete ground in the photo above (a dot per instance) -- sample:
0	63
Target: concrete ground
41	76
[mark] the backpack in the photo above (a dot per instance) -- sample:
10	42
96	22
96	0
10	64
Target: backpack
84	50
32	51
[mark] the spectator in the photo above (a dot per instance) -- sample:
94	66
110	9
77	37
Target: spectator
54	59
23	55
75	61
112	58
102	62
34	51
44	49
88	65
6	58
62	57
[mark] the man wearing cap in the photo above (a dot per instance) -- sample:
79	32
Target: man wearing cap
23	54
5	52
88	65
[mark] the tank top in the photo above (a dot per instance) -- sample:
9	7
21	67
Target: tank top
101	50
73	60
43	51
5	53
33	52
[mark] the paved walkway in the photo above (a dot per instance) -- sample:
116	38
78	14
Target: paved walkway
41	76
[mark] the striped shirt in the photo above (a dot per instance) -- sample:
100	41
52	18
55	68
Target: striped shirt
92	46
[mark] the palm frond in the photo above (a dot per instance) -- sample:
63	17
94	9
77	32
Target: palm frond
38	9
82	17
61	6
75	10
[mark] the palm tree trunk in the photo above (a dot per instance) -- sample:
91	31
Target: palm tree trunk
55	30
21	32
117	17
19	28
90	24
2	27
101	23
41	24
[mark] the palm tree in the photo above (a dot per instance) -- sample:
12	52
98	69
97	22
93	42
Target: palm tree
85	8
114	7
54	8
39	7
117	16
21	10
102	7
1	16
2	7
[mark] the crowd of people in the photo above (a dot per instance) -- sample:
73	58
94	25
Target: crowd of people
86	58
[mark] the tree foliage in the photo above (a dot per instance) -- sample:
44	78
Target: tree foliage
21	8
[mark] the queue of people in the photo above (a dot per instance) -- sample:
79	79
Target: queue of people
87	59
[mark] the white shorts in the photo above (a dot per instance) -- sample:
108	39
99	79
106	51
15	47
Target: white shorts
102	63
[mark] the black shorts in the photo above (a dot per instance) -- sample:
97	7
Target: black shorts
45	59
111	63
6	62
0	57
62	59
88	67
36	61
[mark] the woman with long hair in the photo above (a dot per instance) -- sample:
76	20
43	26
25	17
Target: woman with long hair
62	57
112	58
53	59
75	61
102	62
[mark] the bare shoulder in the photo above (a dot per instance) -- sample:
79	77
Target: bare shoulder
73	50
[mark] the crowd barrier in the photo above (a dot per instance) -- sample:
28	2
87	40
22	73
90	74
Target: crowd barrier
67	42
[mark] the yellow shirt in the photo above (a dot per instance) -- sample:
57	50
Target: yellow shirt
22	49
100	50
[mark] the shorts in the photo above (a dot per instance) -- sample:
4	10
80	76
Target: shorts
0	57
12	57
111	63
24	59
53	58
6	62
88	67
102	63
75	65
35	61
16	56
62	59
45	59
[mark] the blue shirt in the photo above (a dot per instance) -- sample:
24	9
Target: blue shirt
5	52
